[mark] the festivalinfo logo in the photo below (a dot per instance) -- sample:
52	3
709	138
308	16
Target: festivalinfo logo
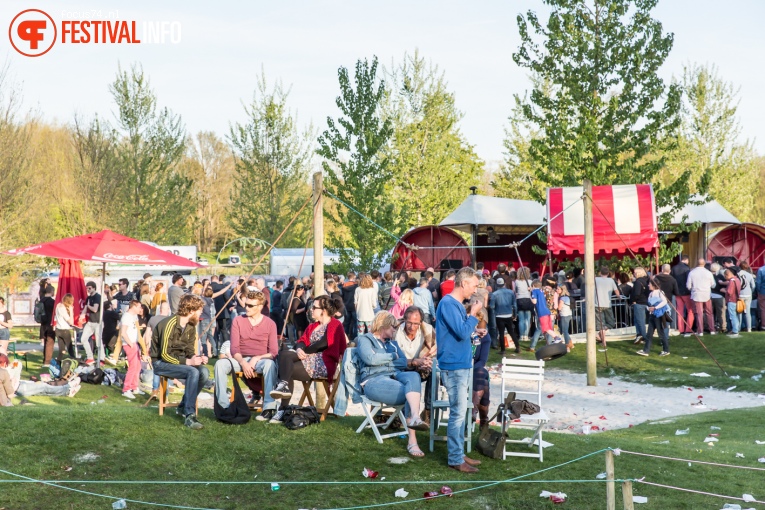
33	32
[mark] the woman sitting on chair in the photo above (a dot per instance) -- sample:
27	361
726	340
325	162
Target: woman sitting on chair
317	353
388	377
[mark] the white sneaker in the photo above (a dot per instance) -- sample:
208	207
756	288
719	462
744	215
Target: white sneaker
75	381
128	394
686	335
73	390
277	417
713	332
139	392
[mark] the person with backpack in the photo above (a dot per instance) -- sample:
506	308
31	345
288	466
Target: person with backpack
254	347
45	317
747	289
659	319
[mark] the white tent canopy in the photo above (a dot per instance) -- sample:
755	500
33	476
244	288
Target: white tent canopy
505	215
521	216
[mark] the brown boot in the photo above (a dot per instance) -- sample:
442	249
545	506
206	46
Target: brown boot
471	462
425	416
464	468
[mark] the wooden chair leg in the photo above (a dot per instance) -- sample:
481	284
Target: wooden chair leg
330	398
162	395
306	394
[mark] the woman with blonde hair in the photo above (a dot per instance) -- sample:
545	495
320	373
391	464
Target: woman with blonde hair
64	325
387	376
160	296
404	301
365	299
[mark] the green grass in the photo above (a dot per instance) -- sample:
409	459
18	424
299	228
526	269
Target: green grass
742	357
133	443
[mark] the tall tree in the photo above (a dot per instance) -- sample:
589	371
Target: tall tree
153	200
210	164
609	115
357	171
272	165
431	163
709	143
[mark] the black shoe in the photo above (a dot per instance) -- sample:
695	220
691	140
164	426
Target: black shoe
179	411
192	422
266	415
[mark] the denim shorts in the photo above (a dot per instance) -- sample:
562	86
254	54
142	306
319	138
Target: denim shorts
5	334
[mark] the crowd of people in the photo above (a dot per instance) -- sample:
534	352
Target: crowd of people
399	324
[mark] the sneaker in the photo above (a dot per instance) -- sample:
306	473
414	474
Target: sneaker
734	335
128	394
282	390
266	415
179	411
90	361
192	422
75	381
73	390
638	339
641	353
686	335
713	332
277	418
139	392
111	362
664	353
749	330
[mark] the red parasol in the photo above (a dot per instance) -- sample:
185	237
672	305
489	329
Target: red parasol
71	281
105	246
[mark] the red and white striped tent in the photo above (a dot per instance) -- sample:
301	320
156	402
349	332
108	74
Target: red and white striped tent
622	216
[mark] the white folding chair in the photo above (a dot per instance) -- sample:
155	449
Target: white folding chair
371	408
439	416
513	371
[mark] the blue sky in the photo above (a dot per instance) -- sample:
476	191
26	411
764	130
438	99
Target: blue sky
206	77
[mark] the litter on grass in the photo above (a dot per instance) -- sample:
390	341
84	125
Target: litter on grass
685	432
701	374
731	388
714	428
601	476
398	460
739	455
401	493
759	442
748	498
86	457
547	494
710	439
761	460
368	473
639	499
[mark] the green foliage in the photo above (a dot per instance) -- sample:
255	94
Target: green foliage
153	199
357	171
607	113
709	146
432	164
272	166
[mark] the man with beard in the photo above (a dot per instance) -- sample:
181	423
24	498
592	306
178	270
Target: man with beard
173	354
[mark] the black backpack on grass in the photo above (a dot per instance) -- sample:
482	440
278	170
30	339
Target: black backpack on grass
94	377
298	417
237	413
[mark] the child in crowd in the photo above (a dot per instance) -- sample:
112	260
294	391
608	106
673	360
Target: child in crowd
564	314
658	319
544	317
481	348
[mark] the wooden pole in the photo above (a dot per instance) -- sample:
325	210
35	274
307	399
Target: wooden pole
610	485
589	286
627	496
318	234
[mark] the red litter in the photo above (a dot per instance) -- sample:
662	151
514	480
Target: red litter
701	396
610	384
447	491
557	499
551	395
368	473
603	418
431	494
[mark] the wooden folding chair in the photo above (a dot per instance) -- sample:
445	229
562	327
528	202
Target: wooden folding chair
524	370
162	396
258	404
330	391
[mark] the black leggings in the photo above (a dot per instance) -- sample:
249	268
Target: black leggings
291	369
506	323
64	337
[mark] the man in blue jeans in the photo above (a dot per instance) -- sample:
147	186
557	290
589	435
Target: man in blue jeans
455	359
173	354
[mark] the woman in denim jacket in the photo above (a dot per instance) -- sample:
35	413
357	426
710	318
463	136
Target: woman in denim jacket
388	377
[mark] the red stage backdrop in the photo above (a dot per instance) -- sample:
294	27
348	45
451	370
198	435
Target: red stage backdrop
621	214
71	281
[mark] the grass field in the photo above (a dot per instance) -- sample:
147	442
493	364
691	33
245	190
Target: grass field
42	441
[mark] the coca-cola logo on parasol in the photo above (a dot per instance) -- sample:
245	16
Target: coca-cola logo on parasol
132	258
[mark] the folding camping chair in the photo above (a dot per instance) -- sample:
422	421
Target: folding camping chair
372	408
329	391
439	409
514	370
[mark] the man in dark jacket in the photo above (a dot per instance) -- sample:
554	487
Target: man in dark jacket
173	354
639	301
683	298
276	306
668	285
348	291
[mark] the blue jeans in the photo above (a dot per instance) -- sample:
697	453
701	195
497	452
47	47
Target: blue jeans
564	323
524	321
456	383
537	333
195	378
747	312
206	333
222	369
392	391
638	317
30	389
735	318
654	323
